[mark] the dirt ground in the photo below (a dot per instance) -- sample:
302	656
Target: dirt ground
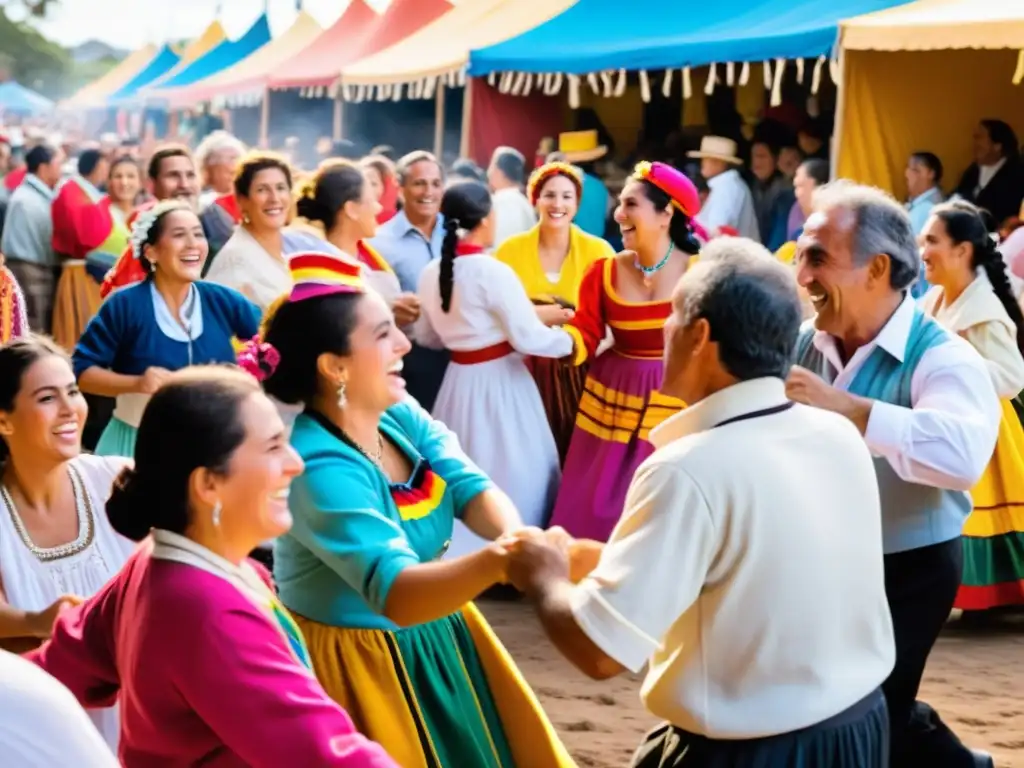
975	679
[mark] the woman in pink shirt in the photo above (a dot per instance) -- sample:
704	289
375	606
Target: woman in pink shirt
209	668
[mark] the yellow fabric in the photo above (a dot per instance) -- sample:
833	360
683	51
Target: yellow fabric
999	495
928	25
443	45
894	103
212	36
531	736
786	253
616	417
521	253
95	93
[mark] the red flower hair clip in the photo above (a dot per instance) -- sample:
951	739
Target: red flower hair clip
258	358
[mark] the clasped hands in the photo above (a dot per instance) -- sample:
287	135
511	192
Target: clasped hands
535	557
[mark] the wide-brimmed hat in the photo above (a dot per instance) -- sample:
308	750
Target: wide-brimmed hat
581	146
717	148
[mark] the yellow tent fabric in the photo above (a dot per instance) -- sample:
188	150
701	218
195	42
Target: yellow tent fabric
212	36
95	93
246	74
919	78
442	47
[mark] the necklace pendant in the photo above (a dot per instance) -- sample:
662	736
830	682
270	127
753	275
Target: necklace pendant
647	280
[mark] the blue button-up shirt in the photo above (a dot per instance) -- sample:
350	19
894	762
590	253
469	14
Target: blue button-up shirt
407	249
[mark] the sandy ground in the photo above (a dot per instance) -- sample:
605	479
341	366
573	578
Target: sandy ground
975	678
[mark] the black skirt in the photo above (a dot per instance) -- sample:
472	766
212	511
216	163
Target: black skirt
855	738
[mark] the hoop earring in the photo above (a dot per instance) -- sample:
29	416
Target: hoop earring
217	508
342	398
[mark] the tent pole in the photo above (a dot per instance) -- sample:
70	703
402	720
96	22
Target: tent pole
439	120
837	132
467	118
338	117
265	120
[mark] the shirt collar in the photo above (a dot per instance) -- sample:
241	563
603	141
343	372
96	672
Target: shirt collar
892	338
37	184
180	549
724	178
736	400
403	226
925	197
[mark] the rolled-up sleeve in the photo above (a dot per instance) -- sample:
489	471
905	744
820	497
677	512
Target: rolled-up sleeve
652	569
947	437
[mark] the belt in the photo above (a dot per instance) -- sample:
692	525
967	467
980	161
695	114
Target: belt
485	355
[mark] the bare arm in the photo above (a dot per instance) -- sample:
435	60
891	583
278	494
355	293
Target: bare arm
491	514
99	381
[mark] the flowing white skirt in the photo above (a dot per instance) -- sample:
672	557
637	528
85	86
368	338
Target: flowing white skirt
495	410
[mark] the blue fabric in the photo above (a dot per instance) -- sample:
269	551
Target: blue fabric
406	249
222	56
124	336
777	235
163	62
595	35
349	543
118	439
593	212
16	98
913	515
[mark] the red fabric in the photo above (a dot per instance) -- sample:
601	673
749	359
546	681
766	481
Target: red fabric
230	206
359	32
127	270
510	121
388	201
467	249
13	179
79	224
589	319
485	355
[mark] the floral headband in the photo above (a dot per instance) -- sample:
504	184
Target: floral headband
548	171
145	221
673	183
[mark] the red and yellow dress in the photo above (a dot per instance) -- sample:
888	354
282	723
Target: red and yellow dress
620	404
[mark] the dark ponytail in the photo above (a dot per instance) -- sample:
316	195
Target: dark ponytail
16	358
192	421
680	229
966	223
464	206
322	197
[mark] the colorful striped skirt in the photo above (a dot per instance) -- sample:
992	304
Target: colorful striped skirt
561	388
621	404
77	301
993	536
439	695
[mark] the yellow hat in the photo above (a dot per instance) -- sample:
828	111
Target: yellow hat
581	146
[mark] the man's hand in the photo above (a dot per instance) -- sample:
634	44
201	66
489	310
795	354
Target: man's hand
406	308
803	386
534	562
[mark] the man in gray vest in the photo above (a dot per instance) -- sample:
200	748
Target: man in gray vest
925	403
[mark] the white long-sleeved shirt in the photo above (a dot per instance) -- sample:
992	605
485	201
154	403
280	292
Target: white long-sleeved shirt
729	204
512	214
946	438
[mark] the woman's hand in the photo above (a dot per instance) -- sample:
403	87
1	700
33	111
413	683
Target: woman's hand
552	314
406	307
153	379
41	622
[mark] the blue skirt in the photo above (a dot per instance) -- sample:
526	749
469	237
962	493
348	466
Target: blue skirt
855	738
118	439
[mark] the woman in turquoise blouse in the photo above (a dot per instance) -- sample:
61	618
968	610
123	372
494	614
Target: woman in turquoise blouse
389	624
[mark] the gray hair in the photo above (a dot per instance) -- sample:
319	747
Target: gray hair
882	226
511	163
751	303
214	146
408	161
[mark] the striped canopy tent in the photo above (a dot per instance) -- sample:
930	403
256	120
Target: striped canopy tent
360	32
94	94
595	43
920	77
16	98
244	83
165	60
216	60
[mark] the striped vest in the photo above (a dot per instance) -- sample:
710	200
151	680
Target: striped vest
913	515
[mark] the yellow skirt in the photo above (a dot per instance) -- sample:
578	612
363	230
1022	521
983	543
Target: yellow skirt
439	695
77	300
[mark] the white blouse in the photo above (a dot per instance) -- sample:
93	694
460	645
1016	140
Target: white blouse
246	266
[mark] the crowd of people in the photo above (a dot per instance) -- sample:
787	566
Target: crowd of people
268	432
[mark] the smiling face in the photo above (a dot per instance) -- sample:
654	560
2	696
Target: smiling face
558	202
642	225
269	197
945	262
48	415
422	191
181	251
363	212
254	490
125	182
177	180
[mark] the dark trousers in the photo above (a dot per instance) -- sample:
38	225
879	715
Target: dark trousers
855	738
920	585
423	370
101	409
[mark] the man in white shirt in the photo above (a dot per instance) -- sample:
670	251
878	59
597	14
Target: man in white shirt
925	404
730	204
512	211
41	724
746	569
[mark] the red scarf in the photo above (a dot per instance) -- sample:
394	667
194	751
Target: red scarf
468	249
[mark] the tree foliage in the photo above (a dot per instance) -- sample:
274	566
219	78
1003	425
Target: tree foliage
30	58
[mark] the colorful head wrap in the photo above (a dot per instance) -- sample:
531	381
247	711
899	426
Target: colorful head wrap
673	183
322	274
549	170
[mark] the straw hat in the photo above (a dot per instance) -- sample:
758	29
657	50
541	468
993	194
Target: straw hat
717	148
581	146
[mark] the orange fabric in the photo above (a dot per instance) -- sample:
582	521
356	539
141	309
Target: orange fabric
76	301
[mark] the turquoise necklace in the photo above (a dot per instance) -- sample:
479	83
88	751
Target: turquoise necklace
649	271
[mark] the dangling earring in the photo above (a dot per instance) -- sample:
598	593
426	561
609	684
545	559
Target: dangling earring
216	514
342	398
246	219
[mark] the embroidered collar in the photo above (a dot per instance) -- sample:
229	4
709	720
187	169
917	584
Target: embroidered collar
190	325
468	249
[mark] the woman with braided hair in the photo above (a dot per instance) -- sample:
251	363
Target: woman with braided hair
971	296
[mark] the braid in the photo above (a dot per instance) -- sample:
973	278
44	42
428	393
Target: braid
989	259
446	280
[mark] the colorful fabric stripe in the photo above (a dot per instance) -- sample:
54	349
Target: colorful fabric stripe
421	495
372	258
291	632
619	417
320	274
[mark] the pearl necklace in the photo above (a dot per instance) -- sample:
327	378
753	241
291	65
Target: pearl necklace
86	523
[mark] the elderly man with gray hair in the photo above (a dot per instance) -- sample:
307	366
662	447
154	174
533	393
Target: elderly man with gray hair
758	607
924	402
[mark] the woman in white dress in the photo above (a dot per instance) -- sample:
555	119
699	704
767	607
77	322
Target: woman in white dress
57	546
475	306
